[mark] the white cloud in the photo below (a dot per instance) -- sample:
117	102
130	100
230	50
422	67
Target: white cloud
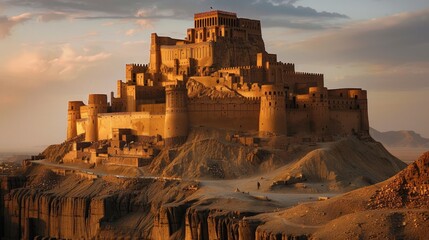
130	32
52	16
397	39
145	23
49	63
7	23
274	13
133	43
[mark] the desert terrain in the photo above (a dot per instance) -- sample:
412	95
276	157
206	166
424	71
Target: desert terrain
343	189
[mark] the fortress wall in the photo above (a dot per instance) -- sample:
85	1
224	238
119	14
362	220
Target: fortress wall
150	93
255	75
144	79
127	161
136	95
239	116
237	53
298	121
278	72
83	111
168	40
300	82
118	105
202	52
342	104
344	121
131	71
152	108
81	125
140	123
351	99
130	98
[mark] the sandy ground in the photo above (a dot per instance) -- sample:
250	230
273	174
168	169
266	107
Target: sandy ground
235	189
330	169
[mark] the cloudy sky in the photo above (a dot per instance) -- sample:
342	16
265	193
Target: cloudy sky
53	51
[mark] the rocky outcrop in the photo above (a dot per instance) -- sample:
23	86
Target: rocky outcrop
408	189
198	221
7	183
72	207
56	152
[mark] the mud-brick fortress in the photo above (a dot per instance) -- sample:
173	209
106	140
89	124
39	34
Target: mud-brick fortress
219	76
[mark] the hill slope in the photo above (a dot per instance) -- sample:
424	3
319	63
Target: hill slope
397	208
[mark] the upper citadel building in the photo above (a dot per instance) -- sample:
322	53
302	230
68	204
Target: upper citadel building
219	76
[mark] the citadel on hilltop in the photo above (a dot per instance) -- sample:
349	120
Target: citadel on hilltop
219	76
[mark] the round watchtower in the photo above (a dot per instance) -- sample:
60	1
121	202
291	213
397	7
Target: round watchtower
73	114
97	103
176	114
272	114
361	101
319	116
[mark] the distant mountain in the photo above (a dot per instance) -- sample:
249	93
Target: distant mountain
13	157
399	138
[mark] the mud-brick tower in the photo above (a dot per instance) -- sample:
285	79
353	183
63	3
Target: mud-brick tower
73	114
272	114
97	103
361	103
176	114
319	116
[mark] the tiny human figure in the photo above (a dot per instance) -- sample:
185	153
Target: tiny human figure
259	185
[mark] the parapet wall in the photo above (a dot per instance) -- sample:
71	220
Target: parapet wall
131	70
300	82
140	123
127	161
239	114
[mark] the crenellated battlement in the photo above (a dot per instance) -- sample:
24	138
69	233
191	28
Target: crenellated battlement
240	68
176	87
282	64
309	74
137	65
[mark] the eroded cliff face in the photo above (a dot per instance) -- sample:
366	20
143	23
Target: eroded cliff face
196	222
54	204
31	213
75	207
